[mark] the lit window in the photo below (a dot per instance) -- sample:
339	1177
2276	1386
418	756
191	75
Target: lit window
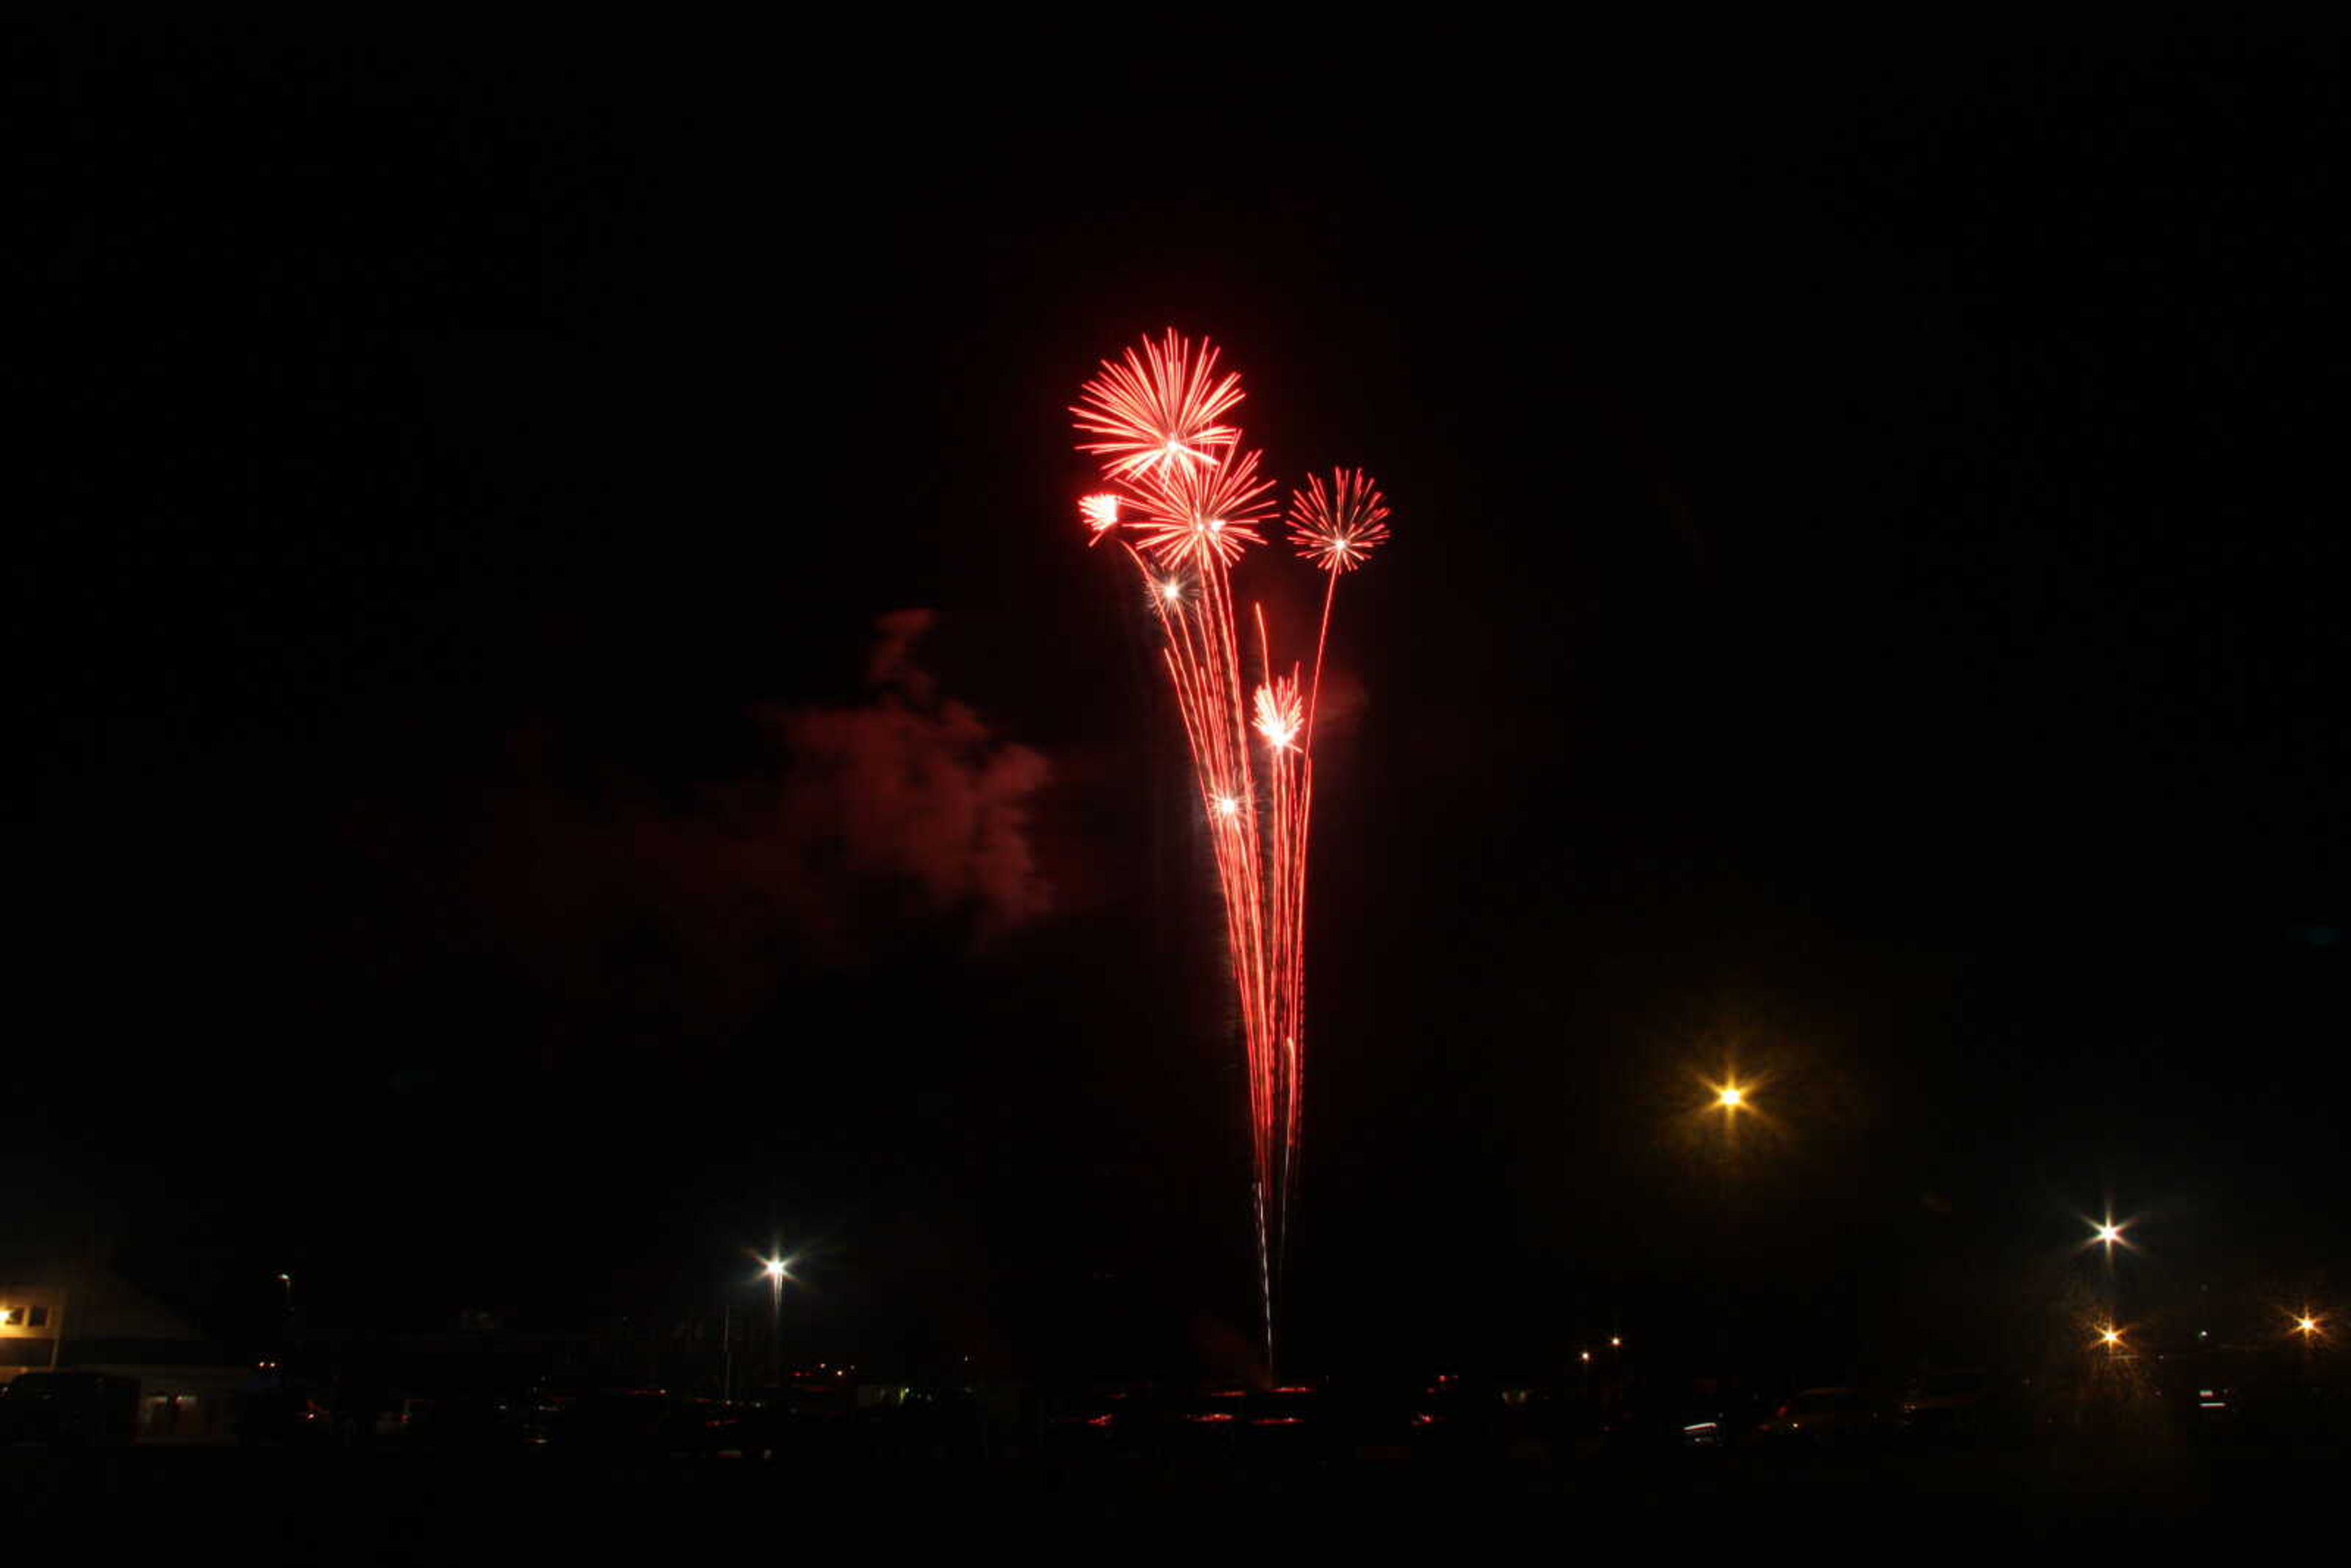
12	1317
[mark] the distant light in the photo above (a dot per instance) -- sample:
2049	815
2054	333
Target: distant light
2110	1337
1585	1355
1615	1343
775	1268
1730	1097
2306	1325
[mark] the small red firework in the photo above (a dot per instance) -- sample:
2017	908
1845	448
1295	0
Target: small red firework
1338	526
1100	515
1157	412
1280	713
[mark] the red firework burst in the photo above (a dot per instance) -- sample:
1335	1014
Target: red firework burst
1192	515
1100	515
1280	713
1191	497
1337	527
1156	412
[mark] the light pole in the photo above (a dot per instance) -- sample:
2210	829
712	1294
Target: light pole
775	1268
1730	1099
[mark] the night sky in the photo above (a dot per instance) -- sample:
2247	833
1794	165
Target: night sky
1865	606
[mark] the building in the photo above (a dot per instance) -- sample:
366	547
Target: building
30	1318
90	1320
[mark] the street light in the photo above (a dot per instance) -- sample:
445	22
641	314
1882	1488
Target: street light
1730	1097
2306	1326
775	1268
2112	1338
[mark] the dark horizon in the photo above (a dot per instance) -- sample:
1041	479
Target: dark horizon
1863	606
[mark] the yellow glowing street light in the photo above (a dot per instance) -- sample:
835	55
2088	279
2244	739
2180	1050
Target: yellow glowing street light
1730	1097
2112	1338
2306	1325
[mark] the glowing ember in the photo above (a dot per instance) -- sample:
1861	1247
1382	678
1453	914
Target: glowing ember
1194	501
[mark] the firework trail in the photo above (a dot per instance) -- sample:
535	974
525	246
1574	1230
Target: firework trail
1188	500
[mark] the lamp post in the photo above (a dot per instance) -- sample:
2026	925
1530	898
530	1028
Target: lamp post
775	1268
1730	1099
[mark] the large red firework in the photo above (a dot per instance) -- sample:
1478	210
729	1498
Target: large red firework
1156	410
1189	515
1192	497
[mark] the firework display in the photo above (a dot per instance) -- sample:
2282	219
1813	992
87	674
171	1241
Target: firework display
1187	501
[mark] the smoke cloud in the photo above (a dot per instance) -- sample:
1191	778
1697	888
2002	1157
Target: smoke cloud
908	794
654	913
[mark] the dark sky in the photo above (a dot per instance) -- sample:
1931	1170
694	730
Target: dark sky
1865	604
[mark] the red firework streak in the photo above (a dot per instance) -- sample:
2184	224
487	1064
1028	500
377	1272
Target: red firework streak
1187	501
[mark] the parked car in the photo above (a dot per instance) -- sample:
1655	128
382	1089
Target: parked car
1822	1416
1946	1407
69	1409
